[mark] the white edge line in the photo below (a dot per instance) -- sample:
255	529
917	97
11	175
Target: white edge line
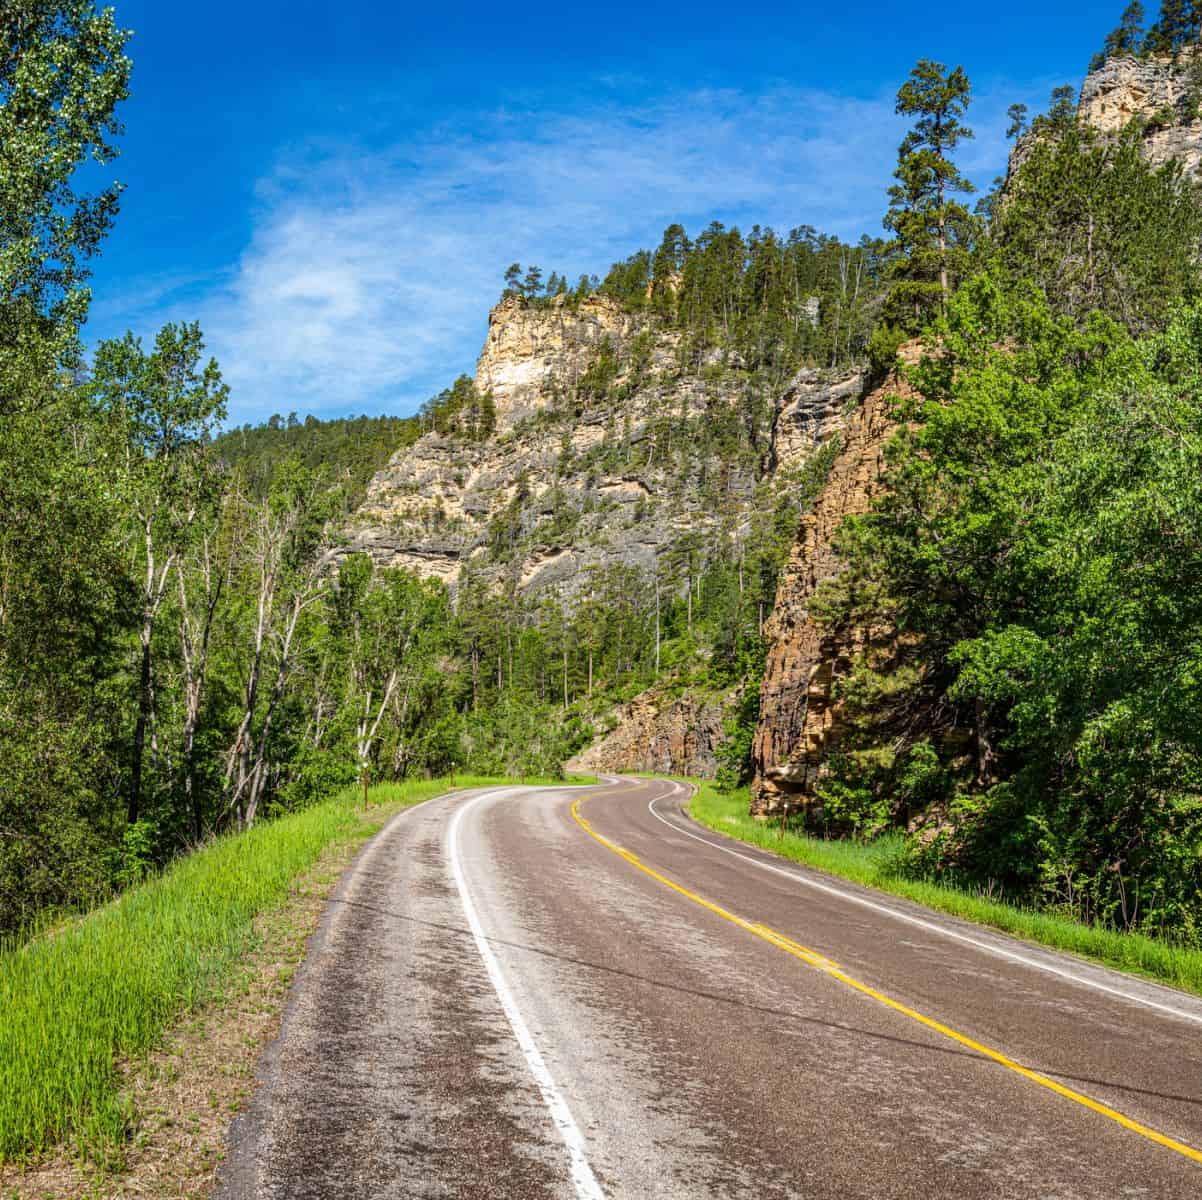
583	1178
864	902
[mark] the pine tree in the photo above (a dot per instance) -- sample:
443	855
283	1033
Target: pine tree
1180	25
1126	40
1063	109
931	229
533	283
667	266
1018	120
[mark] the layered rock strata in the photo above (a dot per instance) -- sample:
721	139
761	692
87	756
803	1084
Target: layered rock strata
1161	93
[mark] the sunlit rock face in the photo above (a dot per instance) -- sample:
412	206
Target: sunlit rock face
577	478
1161	93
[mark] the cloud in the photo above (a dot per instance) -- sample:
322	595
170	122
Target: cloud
366	284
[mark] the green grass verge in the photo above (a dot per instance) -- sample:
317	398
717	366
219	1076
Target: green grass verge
875	864
79	1000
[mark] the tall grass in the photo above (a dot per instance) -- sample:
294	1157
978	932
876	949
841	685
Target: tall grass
77	1001
876	865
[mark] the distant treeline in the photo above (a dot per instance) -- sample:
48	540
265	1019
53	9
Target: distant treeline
805	296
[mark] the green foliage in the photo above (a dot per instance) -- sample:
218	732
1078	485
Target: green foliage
350	449
1039	551
63	73
887	341
1018	120
1179	27
1095	227
461	411
772	301
1127	40
595	384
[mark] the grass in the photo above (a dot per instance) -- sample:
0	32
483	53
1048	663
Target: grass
876	865
101	991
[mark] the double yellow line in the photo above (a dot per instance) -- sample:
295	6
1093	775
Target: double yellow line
819	962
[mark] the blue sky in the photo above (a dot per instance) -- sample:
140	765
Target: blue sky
335	189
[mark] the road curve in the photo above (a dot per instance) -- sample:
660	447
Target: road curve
579	993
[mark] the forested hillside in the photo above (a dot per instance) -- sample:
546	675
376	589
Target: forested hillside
352	449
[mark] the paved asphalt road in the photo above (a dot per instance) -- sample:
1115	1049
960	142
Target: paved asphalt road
573	994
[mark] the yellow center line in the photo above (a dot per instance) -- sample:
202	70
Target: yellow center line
821	963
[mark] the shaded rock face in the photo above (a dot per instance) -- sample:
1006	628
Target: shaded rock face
799	721
659	735
571	479
809	411
1159	91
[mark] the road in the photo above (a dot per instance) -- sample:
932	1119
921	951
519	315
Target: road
578	993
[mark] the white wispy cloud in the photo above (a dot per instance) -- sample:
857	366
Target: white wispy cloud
367	280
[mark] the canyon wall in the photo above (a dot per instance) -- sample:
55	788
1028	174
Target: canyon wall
576	475
659	734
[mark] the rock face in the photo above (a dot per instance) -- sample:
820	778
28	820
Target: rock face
809	411
532	352
799	715
1160	92
657	734
581	473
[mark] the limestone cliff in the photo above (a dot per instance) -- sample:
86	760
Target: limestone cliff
799	712
1161	93
659	734
601	454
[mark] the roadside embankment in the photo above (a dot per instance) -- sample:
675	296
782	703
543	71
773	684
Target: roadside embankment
877	864
130	1035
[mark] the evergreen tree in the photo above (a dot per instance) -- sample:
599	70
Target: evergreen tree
1061	115
666	267
1018	120
931	229
533	283
1126	41
1096	227
1179	26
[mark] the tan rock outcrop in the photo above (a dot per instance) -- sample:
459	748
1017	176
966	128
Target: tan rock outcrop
661	735
571	479
799	714
1160	92
533	351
